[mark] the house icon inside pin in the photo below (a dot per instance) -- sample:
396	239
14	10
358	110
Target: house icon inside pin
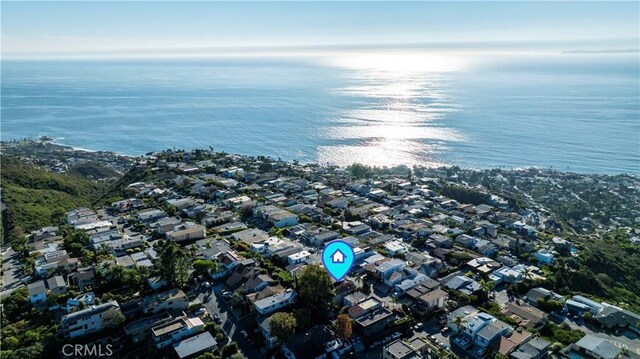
337	256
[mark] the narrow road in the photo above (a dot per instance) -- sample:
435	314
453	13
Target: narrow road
230	324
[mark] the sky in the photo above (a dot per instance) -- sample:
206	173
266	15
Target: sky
67	29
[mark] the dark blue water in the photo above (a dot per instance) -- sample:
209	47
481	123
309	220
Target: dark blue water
569	112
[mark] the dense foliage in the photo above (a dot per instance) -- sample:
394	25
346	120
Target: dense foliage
36	198
606	267
465	195
315	291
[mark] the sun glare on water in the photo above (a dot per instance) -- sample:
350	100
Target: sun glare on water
402	100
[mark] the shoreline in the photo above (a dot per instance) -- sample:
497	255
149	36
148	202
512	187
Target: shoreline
55	141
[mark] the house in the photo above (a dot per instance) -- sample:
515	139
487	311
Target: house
536	348
375	322
299	257
257	282
89	320
188	231
386	267
441	241
174	330
597	348
460	282
140	330
37	292
433	300
324	236
150	215
524	314
540	293
283	219
57	285
43	234
492	332
483	265
275	302
170	300
506	275
399	350
544	257
82	278
192	347
594	307
264	324
353	299
166	224
574	307
464	313
614	317
394	247
475	323
466	240
365	307
88	298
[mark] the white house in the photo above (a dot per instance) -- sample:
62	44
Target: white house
298	257
89	320
283	219
275	302
395	247
175	330
544	257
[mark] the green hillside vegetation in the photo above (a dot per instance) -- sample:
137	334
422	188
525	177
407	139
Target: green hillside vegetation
93	170
606	267
36	198
116	190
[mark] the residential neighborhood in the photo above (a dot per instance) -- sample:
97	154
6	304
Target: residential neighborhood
204	254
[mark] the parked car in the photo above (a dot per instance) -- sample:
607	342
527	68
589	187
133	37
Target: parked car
244	334
207	284
226	294
201	311
217	319
418	326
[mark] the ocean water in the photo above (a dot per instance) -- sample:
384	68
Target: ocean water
570	112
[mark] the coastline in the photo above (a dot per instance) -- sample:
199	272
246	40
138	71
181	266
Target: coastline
56	142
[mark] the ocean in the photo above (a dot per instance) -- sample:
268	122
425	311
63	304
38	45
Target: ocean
574	112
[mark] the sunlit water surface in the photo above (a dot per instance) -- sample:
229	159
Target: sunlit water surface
575	112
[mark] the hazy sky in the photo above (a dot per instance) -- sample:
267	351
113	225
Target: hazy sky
103	28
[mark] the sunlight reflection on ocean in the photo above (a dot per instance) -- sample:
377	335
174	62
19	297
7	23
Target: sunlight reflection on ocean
569	112
403	101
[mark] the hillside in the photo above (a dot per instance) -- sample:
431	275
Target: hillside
35	198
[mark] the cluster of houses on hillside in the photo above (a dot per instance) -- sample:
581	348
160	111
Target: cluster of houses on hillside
416	253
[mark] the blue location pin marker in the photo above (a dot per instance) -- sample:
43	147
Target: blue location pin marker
337	258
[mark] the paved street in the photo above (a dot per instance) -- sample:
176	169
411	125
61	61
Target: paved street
230	324
11	272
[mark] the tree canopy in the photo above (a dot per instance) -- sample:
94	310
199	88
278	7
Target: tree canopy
282	325
315	290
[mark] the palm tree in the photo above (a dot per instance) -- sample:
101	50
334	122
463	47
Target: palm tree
487	287
459	322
